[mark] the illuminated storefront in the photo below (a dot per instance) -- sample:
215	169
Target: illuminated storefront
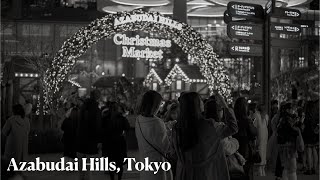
134	54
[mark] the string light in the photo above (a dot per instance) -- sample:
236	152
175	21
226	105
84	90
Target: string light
74	83
149	77
187	38
176	70
26	75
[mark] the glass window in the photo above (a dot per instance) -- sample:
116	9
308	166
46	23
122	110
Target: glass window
155	86
7	30
46	29
35	30
68	30
179	84
31	30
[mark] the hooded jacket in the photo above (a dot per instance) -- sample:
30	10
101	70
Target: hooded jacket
16	130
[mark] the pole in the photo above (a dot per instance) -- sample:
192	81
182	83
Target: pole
266	61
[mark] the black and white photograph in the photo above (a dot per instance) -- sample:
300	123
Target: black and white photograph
159	89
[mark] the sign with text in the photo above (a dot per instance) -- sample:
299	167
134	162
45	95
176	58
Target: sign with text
227	19
245	49
245	10
245	31
286	28
130	46
147	18
286	13
269	8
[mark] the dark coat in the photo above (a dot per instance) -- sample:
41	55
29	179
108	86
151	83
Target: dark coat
16	130
246	134
89	127
114	143
69	128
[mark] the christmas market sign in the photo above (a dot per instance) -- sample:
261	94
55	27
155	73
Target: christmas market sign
147	18
245	49
286	28
190	41
245	10
245	31
129	45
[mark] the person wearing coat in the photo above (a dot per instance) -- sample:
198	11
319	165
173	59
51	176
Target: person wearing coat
88	130
197	141
272	148
230	145
69	128
261	123
152	135
16	130
290	141
246	135
114	145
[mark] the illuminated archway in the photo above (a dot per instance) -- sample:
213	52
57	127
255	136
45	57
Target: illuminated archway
182	34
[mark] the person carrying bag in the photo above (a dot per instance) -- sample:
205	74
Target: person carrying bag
235	160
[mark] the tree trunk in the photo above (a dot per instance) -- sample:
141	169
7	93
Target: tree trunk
41	109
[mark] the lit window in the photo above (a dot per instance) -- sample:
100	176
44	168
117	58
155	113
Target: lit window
179	85
155	86
301	61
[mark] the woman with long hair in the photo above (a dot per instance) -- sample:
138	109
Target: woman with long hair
290	141
152	134
197	141
261	123
246	134
16	130
213	110
114	144
311	136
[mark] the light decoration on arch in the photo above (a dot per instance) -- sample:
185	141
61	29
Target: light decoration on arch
74	83
176	70
182	34
151	75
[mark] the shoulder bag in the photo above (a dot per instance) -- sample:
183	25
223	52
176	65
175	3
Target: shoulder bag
235	167
161	153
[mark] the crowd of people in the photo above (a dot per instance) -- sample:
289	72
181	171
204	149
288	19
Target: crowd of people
209	139
201	138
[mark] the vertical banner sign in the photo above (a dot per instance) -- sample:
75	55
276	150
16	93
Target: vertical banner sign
269	8
286	28
245	49
245	10
245	31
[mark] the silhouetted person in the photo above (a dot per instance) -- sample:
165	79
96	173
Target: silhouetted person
69	128
88	130
246	134
114	144
16	130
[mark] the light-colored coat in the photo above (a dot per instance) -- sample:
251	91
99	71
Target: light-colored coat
155	132
16	130
261	123
272	147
